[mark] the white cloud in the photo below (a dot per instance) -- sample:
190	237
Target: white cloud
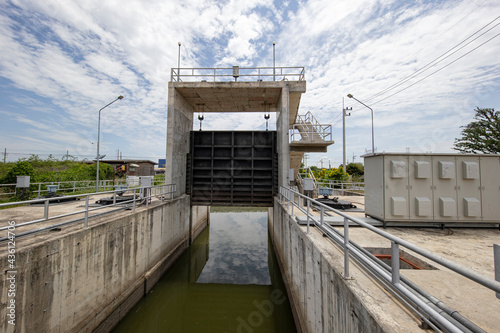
77	56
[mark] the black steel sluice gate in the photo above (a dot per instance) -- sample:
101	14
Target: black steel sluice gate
232	168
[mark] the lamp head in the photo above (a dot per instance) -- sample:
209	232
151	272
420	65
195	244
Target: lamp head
179	43
349	95
120	97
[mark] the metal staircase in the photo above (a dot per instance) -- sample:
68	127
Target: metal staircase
311	131
307	134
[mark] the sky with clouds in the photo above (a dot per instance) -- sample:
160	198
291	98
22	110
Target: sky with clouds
423	66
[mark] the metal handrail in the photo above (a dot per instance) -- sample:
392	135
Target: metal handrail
160	191
308	174
102	184
227	74
289	196
311	133
338	184
308	128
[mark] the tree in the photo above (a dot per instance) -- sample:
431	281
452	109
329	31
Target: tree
481	135
355	169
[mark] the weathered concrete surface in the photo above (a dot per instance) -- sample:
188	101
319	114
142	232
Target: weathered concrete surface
241	96
199	220
179	124
75	279
282	128
323	300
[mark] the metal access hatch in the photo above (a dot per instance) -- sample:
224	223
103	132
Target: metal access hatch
232	168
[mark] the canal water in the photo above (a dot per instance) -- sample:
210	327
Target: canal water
227	281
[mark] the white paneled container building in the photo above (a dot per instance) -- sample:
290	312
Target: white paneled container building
433	187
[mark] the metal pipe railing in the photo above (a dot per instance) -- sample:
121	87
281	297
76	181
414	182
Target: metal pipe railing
75	185
393	277
227	74
160	191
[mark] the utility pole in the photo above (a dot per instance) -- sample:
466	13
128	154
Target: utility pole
67	155
5	156
344	109
353	157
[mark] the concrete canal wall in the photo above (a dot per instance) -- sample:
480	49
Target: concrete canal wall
321	299
88	279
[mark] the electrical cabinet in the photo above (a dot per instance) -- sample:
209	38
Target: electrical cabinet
433	187
420	187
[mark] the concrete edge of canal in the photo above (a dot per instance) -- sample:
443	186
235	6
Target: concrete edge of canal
86	280
321	299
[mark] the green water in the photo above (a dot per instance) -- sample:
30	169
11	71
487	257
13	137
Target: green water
227	281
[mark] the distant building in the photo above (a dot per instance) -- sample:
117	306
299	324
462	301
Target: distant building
129	167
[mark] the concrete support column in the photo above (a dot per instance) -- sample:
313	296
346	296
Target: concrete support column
179	124
282	127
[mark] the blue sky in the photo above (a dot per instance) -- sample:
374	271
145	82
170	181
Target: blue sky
63	60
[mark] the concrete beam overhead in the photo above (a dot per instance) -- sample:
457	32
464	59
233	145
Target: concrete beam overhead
240	96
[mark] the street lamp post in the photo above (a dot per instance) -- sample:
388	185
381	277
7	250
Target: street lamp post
344	114
179	62
373	135
274	61
98	139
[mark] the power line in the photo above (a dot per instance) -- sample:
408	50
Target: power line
411	85
436	60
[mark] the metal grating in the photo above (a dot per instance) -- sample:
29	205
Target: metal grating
226	168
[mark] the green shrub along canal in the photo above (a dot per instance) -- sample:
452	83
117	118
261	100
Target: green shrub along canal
227	281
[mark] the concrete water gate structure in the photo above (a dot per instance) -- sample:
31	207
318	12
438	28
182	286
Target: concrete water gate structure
185	98
86	278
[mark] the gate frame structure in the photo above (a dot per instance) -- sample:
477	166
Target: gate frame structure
187	97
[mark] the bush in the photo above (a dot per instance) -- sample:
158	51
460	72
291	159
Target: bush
21	168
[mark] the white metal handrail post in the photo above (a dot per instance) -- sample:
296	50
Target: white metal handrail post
496	258
46	210
321	215
395	262
86	211
133	205
308	206
346	248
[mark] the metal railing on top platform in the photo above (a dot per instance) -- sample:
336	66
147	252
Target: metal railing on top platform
234	73
138	195
401	287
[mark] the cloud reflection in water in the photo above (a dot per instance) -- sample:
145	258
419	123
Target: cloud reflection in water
238	249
